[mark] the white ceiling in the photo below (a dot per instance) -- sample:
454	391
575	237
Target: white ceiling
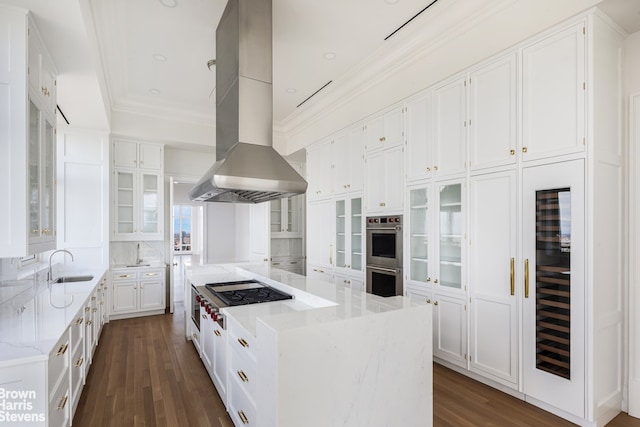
103	50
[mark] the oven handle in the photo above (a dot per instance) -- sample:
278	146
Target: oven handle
395	227
388	270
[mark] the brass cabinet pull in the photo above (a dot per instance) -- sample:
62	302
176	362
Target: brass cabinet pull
382	139
243	417
526	278
79	362
93	298
243	376
428	279
95	310
88	322
62	403
204	316
62	350
428	169
435	168
243	342
195	336
383	204
217	332
124	276
150	274
513	276
79	320
87	309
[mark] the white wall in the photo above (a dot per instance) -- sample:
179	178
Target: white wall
632	67
83	194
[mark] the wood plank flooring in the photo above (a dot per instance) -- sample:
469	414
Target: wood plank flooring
145	373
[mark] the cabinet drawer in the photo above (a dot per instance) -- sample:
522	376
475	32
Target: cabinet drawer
75	330
242	411
77	375
244	371
241	340
59	406
58	367
119	276
150	274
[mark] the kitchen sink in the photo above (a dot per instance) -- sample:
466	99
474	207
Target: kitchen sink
69	279
138	265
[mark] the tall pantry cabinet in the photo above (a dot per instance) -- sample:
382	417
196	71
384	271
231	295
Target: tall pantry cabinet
27	137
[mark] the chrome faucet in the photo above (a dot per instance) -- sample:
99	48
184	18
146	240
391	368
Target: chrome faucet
50	272
138	260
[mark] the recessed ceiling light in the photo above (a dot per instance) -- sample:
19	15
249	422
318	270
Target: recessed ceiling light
169	3
329	56
291	90
154	91
159	57
391	1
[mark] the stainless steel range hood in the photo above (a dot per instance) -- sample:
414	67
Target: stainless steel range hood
248	169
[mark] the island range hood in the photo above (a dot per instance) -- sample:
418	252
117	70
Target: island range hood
248	169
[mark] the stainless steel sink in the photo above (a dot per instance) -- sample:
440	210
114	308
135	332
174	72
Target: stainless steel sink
69	279
137	265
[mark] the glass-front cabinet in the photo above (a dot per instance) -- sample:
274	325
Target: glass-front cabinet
450	235
138	202
41	179
419	230
349	223
286	217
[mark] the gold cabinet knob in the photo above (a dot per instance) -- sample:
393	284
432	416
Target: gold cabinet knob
435	303
428	279
428	169
512	152
428	300
524	149
435	281
435	168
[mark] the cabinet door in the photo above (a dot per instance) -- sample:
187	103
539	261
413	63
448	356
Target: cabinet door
150	156
449	127
206	343
375	185
375	134
553	91
394	179
48	171
356	229
125	205
151	203
356	159
450	223
275	221
125	154
450	329
152	295
341	163
492	114
492	256
320	233
125	297
319	171
259	236
48	83
419	270
553	319
418	136
34	157
220	360
340	217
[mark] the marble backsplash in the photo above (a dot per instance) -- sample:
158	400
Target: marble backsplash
286	248
127	253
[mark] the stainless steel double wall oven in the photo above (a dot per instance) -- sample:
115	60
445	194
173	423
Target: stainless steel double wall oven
384	255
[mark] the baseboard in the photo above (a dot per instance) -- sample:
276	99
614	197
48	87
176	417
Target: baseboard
120	316
634	397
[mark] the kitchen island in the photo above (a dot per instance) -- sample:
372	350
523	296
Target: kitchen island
330	356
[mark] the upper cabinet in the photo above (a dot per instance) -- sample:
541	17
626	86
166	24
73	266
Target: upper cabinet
419	134
287	217
553	94
138	191
27	138
492	113
347	153
384	172
385	130
130	154
450	122
319	170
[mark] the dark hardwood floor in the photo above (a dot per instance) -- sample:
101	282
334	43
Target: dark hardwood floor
145	373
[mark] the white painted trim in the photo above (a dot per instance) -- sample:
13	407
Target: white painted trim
634	252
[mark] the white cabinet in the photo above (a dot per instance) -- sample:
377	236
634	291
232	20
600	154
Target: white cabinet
287	217
492	113
27	140
348	165
385	130
242	375
350	281
450	123
553	94
554	300
450	329
138	291
319	170
419	136
320	234
418	221
131	154
349	227
384	172
289	263
319	272
493	230
138	205
449	249
259	241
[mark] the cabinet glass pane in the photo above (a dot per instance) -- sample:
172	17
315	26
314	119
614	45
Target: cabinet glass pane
356	234
553	281
125	202
419	235
276	216
48	180
151	202
34	171
340	234
290	214
451	235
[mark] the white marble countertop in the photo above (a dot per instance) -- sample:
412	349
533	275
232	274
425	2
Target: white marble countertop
33	316
315	301
143	266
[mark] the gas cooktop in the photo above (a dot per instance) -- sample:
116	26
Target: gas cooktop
245	292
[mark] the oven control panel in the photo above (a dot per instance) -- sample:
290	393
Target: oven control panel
385	220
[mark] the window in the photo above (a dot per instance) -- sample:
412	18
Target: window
182	228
